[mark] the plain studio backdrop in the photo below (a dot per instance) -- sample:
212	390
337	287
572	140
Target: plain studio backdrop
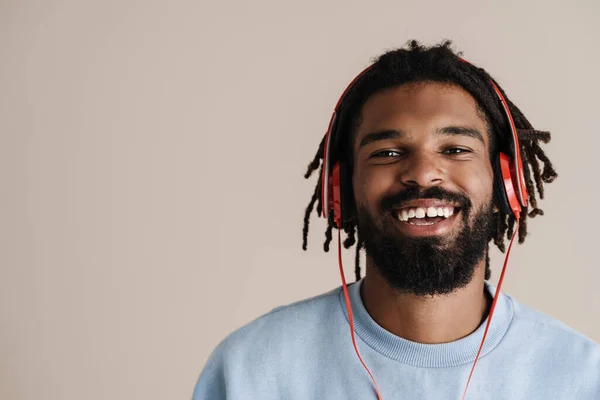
152	157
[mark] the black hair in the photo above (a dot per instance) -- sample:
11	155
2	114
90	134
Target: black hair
440	63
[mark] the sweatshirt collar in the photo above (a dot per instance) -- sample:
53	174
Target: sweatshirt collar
454	353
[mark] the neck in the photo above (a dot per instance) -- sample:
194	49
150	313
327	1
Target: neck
426	319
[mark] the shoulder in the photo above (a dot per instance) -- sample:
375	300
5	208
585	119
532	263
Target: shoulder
271	345
555	346
283	328
547	329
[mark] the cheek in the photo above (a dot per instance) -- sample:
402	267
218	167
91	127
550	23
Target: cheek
478	183
370	185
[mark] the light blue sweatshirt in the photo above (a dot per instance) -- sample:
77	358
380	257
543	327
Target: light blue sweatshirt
303	351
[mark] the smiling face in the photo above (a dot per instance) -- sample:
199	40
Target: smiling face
422	181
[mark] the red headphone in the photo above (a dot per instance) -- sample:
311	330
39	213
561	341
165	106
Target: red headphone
509	180
509	187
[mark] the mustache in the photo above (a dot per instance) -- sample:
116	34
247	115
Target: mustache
396	200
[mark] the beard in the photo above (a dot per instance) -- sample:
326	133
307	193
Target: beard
433	265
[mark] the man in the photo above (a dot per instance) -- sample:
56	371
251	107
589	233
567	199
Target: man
421	131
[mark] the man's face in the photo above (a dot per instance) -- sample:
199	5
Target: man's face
422	182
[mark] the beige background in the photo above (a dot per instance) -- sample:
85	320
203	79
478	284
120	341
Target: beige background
151	162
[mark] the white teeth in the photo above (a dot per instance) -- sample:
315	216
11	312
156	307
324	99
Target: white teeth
404	216
421	212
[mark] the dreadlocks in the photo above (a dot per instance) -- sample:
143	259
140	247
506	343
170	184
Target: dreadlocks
440	63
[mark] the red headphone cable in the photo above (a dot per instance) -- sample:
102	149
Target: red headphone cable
493	307
350	315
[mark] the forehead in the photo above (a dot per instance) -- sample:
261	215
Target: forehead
420	108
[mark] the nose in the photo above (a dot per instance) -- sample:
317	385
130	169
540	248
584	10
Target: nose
422	170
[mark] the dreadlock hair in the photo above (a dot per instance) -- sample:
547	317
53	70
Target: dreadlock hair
417	63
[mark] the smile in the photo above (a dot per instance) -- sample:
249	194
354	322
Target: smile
424	216
427	220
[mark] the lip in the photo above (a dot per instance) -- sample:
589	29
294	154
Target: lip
437	229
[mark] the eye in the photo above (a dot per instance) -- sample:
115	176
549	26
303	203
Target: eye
455	151
386	154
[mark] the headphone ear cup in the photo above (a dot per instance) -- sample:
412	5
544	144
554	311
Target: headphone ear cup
347	197
509	178
336	195
500	195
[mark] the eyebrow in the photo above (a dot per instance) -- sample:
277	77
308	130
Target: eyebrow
446	131
380	135
461	131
